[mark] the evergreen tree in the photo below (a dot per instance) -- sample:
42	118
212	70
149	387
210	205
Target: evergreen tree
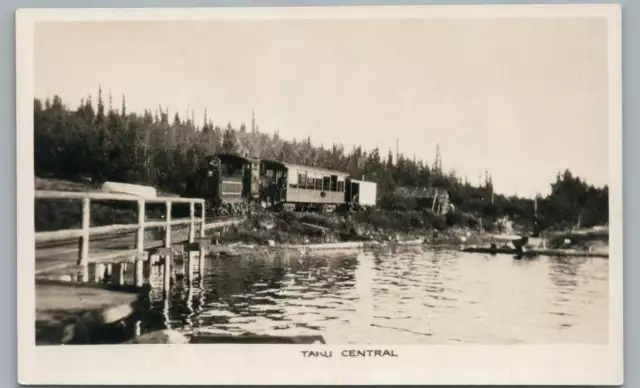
147	149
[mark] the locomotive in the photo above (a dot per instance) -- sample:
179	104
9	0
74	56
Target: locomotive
234	184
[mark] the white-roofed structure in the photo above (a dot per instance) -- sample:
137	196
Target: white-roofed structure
130	189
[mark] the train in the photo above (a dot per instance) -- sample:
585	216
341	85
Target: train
232	184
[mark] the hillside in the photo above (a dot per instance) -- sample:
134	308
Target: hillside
95	143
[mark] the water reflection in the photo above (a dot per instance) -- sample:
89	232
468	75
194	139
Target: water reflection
388	296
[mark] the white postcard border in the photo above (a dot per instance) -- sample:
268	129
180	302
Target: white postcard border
283	364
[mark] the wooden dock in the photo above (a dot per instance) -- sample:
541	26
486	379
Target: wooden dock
89	251
91	277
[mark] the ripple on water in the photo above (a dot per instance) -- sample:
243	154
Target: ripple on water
431	297
217	314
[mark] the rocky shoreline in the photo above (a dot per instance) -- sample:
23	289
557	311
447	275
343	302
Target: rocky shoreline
335	231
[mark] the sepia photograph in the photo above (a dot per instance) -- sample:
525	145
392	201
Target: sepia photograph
381	186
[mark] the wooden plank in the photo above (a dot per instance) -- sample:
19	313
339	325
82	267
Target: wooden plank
155	224
68	234
117	256
174	200
192	222
84	242
59	267
139	275
181	221
112	229
167	229
42	237
54	194
203	221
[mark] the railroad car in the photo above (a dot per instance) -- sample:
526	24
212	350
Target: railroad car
295	187
232	184
360	194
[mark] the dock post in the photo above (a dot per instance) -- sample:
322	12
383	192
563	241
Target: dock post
84	244
201	252
202	220
201	263
192	224
139	273
166	284
189	266
96	272
167	230
118	273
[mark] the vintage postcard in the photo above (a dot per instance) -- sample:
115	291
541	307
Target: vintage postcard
320	195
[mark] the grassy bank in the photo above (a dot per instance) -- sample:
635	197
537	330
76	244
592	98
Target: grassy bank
454	228
373	225
284	227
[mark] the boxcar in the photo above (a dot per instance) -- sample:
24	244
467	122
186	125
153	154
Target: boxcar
292	186
361	193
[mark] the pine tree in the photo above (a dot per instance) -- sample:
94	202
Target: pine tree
123	110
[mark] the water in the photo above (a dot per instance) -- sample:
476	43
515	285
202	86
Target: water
404	296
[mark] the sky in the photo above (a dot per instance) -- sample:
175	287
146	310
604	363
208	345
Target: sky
522	98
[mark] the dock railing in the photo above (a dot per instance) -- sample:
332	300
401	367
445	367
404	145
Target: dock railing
86	230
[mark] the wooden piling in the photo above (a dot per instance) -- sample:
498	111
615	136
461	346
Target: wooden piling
139	273
166	283
84	244
96	272
202	219
118	274
201	264
192	224
167	230
190	260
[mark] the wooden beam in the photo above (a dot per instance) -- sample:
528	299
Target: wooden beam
192	221
84	244
57	235
54	194
167	230
129	255
202	219
112	229
139	273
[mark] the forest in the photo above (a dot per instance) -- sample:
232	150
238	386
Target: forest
97	142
